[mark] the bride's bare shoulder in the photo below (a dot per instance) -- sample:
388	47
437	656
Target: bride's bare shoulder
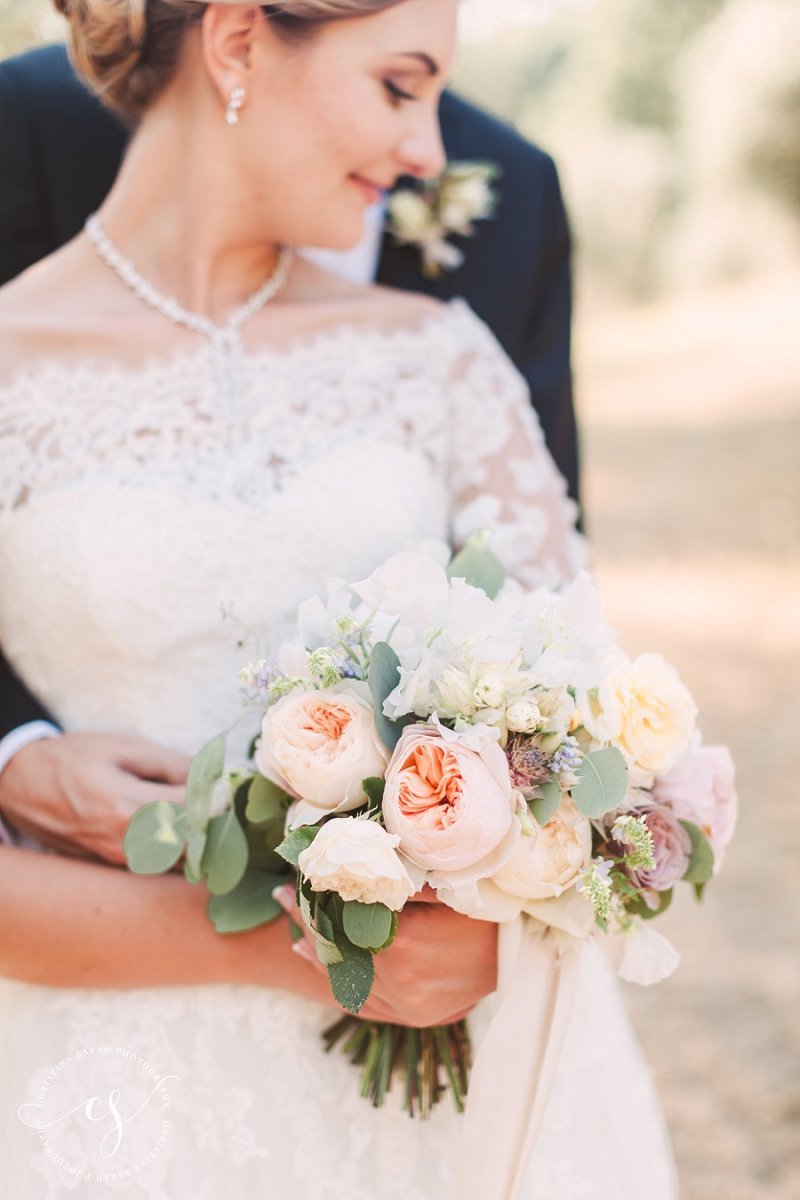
44	309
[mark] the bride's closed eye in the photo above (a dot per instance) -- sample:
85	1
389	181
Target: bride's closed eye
396	93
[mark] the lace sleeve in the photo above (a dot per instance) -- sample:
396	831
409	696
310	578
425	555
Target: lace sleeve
502	476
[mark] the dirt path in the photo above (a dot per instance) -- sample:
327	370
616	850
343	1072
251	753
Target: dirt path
691	418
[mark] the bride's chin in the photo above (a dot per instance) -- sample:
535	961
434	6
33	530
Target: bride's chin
342	236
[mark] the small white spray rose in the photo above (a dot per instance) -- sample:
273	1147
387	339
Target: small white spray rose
358	860
523	717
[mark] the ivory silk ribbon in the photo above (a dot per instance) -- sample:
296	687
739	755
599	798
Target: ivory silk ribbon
516	1061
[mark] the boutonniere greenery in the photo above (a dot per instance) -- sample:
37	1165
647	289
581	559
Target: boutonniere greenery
427	215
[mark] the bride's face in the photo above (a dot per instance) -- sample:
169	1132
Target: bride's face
333	121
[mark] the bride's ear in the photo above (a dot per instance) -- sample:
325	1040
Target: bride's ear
227	37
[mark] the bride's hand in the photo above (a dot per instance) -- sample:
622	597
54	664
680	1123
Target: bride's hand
436	970
77	792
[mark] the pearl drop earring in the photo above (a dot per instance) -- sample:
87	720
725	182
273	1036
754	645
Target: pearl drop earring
235	103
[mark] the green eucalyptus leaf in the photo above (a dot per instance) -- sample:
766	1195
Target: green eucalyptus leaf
602	782
544	807
225	855
383	678
261	847
351	979
155	838
189	874
701	860
295	842
266	801
479	567
367	925
249	904
639	907
205	772
328	952
373	790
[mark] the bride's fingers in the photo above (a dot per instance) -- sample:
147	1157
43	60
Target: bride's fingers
139	792
150	761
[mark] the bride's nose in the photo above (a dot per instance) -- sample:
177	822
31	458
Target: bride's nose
421	152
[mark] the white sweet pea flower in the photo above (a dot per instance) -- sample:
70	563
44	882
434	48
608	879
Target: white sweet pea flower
475	736
318	620
416	691
642	954
408	586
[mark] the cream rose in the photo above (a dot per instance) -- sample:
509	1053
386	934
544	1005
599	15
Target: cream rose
647	712
550	860
452	806
358	859
321	746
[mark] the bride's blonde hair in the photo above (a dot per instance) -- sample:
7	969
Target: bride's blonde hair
128	50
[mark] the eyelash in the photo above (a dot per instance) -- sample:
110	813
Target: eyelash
397	94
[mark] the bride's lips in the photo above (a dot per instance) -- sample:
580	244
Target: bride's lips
372	192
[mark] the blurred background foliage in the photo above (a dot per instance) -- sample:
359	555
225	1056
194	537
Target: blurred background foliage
676	125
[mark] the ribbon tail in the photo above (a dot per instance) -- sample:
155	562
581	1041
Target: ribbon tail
516	1062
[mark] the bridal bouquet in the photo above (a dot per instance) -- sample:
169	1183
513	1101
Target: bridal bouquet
437	724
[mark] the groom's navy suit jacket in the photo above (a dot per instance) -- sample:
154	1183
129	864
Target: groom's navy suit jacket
59	153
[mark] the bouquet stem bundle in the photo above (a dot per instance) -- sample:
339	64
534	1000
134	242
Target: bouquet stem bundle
426	1059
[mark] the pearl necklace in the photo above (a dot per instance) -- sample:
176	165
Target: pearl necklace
226	341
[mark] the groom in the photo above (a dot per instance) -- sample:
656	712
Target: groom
59	153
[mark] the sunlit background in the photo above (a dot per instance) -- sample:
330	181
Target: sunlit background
676	127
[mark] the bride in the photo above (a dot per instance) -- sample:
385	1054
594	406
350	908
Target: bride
193	417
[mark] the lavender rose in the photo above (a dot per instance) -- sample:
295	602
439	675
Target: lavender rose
702	788
672	848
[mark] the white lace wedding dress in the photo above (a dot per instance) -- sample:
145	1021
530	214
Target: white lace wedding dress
134	506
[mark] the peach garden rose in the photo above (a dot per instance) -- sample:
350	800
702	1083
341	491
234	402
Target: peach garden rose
452	806
321	745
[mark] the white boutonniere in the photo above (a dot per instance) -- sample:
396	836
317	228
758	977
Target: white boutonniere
426	216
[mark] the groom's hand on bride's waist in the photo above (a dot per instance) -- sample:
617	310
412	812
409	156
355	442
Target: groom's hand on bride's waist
435	971
77	792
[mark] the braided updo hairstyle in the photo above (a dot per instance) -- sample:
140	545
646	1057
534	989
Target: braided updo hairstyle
128	50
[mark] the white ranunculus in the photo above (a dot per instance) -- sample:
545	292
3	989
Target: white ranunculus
644	709
523	717
358	860
489	691
321	745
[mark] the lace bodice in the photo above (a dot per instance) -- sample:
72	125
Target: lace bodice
136	505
